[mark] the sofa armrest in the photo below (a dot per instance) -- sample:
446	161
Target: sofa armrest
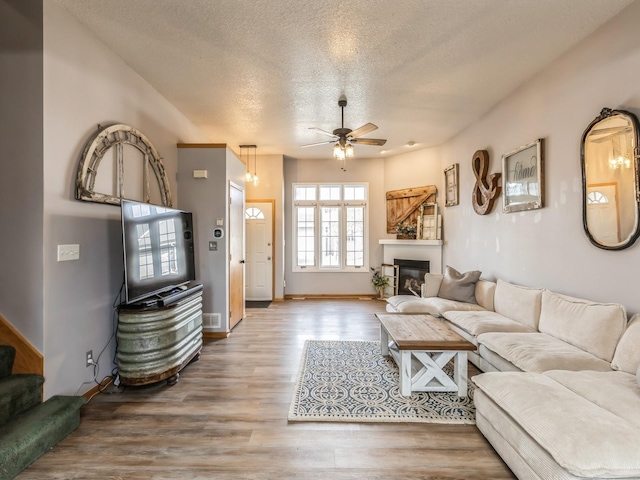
431	285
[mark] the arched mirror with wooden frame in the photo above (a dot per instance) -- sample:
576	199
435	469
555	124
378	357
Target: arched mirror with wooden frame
609	158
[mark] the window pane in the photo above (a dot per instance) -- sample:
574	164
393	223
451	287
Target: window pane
168	250
305	235
339	240
253	213
305	192
330	240
355	236
329	192
355	192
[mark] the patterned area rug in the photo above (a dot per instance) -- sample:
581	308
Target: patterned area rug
350	381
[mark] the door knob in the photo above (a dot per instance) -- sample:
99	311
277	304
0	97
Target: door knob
241	261
268	258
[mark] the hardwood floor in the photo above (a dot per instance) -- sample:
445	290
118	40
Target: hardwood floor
227	417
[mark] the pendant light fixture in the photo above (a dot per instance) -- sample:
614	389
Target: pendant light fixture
256	180
248	176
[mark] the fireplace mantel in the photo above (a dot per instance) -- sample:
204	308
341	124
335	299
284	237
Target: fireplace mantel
393	241
413	250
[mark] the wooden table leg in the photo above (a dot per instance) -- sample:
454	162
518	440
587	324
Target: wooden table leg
384	341
405	373
460	372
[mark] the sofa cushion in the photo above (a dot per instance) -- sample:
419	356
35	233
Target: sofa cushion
627	356
485	291
593	327
617	392
477	322
411	304
460	287
492	362
538	352
433	305
518	303
431	286
583	438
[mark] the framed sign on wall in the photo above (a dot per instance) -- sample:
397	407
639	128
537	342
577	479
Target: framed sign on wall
523	173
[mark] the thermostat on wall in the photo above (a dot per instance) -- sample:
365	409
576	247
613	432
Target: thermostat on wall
218	233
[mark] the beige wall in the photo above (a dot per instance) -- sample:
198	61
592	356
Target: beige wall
548	247
369	170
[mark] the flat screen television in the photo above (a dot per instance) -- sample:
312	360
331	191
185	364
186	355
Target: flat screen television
158	249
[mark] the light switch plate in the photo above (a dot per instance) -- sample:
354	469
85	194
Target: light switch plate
68	252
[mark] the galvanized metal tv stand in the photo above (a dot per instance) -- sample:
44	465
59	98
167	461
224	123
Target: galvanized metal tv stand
156	341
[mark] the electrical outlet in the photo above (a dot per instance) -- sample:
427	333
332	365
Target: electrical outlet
89	357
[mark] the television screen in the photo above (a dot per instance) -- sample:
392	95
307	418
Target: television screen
158	249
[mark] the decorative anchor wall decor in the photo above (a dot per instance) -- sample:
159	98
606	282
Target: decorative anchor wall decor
486	189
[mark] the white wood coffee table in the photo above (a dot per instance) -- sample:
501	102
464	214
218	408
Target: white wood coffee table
421	346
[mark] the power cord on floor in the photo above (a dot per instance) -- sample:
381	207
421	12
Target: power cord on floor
96	363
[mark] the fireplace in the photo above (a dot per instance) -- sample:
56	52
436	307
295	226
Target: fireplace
410	275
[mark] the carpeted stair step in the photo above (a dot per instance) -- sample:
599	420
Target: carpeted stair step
33	433
7	354
19	393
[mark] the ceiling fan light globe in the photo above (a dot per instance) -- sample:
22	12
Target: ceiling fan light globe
348	150
248	177
337	151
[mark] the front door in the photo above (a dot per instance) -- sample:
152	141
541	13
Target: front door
236	255
259	267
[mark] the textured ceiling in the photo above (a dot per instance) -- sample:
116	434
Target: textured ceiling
265	71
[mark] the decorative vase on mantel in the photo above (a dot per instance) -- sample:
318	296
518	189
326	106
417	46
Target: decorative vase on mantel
405	236
406	231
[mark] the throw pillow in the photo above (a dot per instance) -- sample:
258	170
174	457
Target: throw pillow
460	287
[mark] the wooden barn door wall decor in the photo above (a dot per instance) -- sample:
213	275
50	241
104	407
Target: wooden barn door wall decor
403	206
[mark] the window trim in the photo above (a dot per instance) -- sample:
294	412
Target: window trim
318	204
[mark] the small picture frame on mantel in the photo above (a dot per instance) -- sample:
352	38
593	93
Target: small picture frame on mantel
451	186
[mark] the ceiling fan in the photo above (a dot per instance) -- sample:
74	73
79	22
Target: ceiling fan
345	138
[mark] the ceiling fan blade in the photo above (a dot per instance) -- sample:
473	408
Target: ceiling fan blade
368	141
358	132
324	132
319	143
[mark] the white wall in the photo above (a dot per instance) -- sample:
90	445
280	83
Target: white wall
85	84
416	168
548	247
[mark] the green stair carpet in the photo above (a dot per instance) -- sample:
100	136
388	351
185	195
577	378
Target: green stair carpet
7	354
29	428
19	393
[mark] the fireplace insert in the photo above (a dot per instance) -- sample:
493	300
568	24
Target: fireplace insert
410	275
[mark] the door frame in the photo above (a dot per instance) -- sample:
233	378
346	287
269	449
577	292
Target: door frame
242	190
272	201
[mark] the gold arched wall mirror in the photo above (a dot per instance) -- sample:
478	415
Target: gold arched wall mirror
609	157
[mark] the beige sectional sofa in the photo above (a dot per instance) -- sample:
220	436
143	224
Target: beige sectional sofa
561	399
